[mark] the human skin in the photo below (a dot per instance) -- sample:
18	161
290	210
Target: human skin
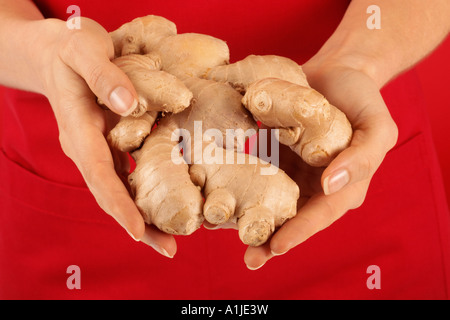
72	69
349	70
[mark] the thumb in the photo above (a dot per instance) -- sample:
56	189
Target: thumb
374	130
363	157
89	54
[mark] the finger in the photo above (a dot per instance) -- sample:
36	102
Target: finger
121	162
121	207
113	197
162	242
108	189
317	214
362	158
122	166
256	257
83	141
95	162
374	131
105	79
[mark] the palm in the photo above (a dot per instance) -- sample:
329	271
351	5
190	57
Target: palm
374	133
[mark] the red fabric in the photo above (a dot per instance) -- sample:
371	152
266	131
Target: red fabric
49	220
430	71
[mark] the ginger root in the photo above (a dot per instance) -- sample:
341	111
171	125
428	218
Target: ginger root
191	54
233	190
278	94
252	68
312	127
187	86
141	35
163	190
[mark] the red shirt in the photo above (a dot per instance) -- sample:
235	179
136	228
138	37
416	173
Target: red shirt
49	220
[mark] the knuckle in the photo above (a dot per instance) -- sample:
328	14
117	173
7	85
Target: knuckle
366	167
89	172
392	131
64	145
93	171
64	137
357	194
94	76
331	215
359	200
72	44
388	130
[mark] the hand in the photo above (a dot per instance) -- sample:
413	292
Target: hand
76	68
328	193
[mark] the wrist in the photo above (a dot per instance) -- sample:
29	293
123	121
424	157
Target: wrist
335	58
41	50
29	52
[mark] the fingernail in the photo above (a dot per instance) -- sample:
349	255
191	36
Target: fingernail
278	254
255	268
335	182
131	235
161	250
156	247
122	101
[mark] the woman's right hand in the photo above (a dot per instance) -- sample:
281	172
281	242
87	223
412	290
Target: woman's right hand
74	68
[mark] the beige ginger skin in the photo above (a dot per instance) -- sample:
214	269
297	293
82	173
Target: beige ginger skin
312	127
167	71
278	94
